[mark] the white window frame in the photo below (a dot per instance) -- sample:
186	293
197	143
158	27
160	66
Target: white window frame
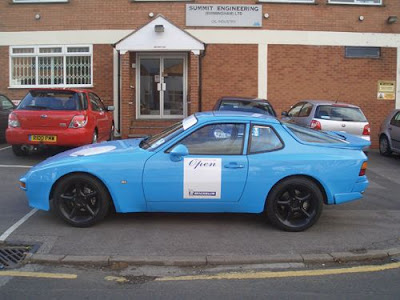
40	1
289	1
36	54
356	2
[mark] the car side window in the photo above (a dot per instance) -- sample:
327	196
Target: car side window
264	139
395	121
305	110
97	105
295	110
216	139
5	104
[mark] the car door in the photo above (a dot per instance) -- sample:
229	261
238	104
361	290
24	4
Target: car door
214	169
394	129
6	106
100	113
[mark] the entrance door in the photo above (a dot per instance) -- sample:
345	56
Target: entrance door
161	86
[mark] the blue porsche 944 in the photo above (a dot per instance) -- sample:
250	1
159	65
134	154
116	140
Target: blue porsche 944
220	162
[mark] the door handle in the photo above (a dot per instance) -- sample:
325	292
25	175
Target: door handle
234	165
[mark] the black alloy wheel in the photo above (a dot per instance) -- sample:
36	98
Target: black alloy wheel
384	147
81	200
294	204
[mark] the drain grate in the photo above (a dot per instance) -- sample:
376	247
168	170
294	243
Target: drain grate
11	256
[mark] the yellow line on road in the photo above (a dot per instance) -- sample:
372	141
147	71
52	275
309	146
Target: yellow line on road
38	275
283	274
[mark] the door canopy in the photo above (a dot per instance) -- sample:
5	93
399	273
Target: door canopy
160	35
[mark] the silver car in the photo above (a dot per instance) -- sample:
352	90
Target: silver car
389	134
329	116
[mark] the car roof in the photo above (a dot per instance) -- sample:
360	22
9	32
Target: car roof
329	102
242	99
60	90
237	115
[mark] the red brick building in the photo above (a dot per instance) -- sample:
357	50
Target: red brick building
158	61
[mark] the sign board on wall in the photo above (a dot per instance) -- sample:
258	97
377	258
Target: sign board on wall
386	90
225	15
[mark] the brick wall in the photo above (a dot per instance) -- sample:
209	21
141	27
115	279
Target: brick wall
125	14
310	72
229	70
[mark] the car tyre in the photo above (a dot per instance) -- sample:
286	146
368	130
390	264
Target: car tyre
294	204
81	200
384	147
18	151
94	137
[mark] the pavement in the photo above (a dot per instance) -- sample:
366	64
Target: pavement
363	230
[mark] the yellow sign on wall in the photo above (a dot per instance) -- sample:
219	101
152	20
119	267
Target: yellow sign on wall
386	90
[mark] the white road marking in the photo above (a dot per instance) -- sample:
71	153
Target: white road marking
10	230
8	147
15	166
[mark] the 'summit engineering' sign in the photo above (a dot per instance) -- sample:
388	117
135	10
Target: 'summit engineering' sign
227	15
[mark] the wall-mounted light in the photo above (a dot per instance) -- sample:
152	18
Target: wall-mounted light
159	28
266	15
151	14
361	18
391	19
37	17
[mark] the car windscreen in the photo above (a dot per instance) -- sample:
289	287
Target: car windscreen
312	136
164	136
51	100
339	113
260	107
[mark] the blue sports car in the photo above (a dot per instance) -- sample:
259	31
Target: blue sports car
218	162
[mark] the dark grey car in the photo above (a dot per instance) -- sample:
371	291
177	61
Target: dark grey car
389	135
6	106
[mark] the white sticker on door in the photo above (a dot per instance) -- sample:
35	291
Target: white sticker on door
202	178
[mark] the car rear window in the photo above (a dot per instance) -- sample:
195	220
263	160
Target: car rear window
312	136
247	106
51	100
339	113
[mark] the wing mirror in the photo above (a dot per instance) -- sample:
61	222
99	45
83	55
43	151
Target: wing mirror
178	152
110	108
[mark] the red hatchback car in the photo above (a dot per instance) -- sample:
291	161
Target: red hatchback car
61	117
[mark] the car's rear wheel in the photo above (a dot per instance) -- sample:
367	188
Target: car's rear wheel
384	147
294	204
18	151
81	200
94	137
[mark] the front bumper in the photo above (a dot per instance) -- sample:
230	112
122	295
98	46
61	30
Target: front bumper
65	137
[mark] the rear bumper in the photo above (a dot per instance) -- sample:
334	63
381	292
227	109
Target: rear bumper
359	187
65	137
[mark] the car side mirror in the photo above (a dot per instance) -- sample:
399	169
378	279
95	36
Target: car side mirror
284	114
110	108
178	152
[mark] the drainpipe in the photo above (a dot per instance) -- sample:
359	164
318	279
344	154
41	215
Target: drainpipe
201	56
119	92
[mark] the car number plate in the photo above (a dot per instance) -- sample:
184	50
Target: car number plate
43	138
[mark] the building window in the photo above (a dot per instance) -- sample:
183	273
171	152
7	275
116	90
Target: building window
356	2
39	1
362	52
34	66
288	1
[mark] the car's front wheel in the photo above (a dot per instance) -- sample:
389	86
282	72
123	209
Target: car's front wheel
294	204
81	200
384	147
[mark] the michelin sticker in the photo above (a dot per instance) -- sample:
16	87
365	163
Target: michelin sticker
202	178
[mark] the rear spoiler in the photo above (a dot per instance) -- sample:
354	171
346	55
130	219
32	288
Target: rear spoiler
353	142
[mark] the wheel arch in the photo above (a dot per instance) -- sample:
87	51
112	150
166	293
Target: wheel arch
76	173
313	179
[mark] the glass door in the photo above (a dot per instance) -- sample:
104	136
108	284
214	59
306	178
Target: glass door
162	86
